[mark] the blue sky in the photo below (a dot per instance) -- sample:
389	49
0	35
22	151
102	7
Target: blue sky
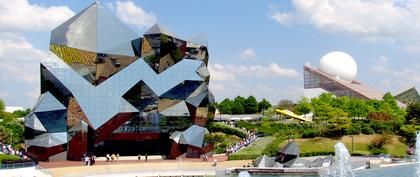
256	47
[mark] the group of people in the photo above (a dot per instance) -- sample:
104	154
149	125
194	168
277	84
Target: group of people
113	157
89	159
245	142
139	157
9	150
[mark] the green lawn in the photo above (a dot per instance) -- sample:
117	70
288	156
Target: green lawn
360	144
256	147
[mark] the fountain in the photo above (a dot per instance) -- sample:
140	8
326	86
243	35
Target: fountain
244	174
341	166
418	153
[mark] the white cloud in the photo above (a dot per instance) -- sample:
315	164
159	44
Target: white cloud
19	60
19	70
20	15
130	13
376	19
247	54
399	78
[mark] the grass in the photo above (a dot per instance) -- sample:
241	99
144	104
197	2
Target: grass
360	145
256	147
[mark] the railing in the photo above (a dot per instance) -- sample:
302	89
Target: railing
17	165
130	129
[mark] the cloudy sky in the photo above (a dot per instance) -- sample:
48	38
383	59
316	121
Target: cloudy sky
256	47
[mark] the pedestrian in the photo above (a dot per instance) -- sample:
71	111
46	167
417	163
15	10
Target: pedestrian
118	155
113	157
107	157
87	163
139	157
214	162
93	159
146	158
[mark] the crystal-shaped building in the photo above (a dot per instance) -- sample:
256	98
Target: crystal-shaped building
104	89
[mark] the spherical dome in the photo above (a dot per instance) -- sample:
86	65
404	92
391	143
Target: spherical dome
339	65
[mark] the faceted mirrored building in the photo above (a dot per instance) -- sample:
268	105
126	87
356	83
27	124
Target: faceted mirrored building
104	89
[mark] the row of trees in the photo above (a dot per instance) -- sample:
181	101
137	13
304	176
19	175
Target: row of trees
241	105
327	106
11	129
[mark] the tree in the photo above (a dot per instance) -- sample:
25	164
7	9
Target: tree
263	105
250	105
20	113
238	105
225	107
239	100
303	106
357	108
237	108
2	108
413	113
390	100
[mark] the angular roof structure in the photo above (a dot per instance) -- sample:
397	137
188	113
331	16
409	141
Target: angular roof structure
409	96
192	136
315	78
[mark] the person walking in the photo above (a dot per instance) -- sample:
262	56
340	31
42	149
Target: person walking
139	157
146	158
93	160
108	157
87	159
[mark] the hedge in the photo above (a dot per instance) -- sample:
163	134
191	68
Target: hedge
243	156
221	127
6	158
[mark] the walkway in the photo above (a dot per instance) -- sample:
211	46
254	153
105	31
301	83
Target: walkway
154	166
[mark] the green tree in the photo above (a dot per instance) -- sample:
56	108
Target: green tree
413	113
225	107
303	106
238	105
263	105
390	101
2	108
357	108
20	113
250	105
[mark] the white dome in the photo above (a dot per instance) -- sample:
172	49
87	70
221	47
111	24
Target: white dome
339	65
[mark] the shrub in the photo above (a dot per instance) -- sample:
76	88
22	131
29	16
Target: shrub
4	158
376	146
309	133
220	127
366	129
310	154
243	156
352	130
380	140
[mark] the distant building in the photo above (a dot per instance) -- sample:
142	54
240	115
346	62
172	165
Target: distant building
408	96
12	109
336	75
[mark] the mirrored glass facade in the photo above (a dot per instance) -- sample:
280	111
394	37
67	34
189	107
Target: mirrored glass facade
104	87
